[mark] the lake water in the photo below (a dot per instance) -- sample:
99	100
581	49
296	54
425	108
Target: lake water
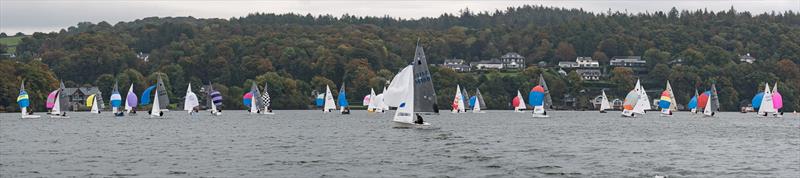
313	144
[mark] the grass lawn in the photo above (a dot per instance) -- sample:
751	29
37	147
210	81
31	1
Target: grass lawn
11	42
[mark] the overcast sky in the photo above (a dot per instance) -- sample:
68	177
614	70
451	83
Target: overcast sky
52	15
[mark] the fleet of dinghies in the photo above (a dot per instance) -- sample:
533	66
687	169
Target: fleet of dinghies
411	91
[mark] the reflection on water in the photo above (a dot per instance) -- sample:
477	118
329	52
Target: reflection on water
310	143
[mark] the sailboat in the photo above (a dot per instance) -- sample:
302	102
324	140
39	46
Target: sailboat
370	101
116	100
59	102
380	105
693	102
765	105
330	104
539	98
644	100
777	101
604	104
712	103
343	104
411	91
251	99
518	103
214	100
667	101
159	99
476	102
266	101
636	102
190	101
131	101
24	101
630	103
91	102
458	101
536	99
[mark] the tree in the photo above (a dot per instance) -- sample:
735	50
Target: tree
623	78
3	35
565	52
19	34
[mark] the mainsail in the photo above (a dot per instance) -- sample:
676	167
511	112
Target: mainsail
518	102
604	104
401	95
481	105
251	99
371	100
425	95
190	101
266	100
548	101
91	102
458	100
644	102
163	99
766	106
330	104
23	100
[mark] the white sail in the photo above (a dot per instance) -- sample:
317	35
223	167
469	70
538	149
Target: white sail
674	105
95	107
57	106
128	108
766	102
522	105
707	110
190	101
373	103
401	95
458	101
155	111
604	104
330	104
644	102
382	102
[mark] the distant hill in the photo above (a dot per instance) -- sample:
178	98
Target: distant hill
297	54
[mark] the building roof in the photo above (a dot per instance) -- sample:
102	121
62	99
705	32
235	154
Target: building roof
585	59
567	62
747	56
512	55
632	59
627	57
84	90
492	61
453	61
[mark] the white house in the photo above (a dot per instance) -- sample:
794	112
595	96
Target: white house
587	62
747	58
488	64
513	60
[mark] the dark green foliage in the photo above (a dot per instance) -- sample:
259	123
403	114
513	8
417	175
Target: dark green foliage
300	53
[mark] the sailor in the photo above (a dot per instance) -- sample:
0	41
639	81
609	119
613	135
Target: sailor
418	120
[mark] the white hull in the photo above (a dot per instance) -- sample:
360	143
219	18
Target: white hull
410	125
628	113
30	116
540	116
59	117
